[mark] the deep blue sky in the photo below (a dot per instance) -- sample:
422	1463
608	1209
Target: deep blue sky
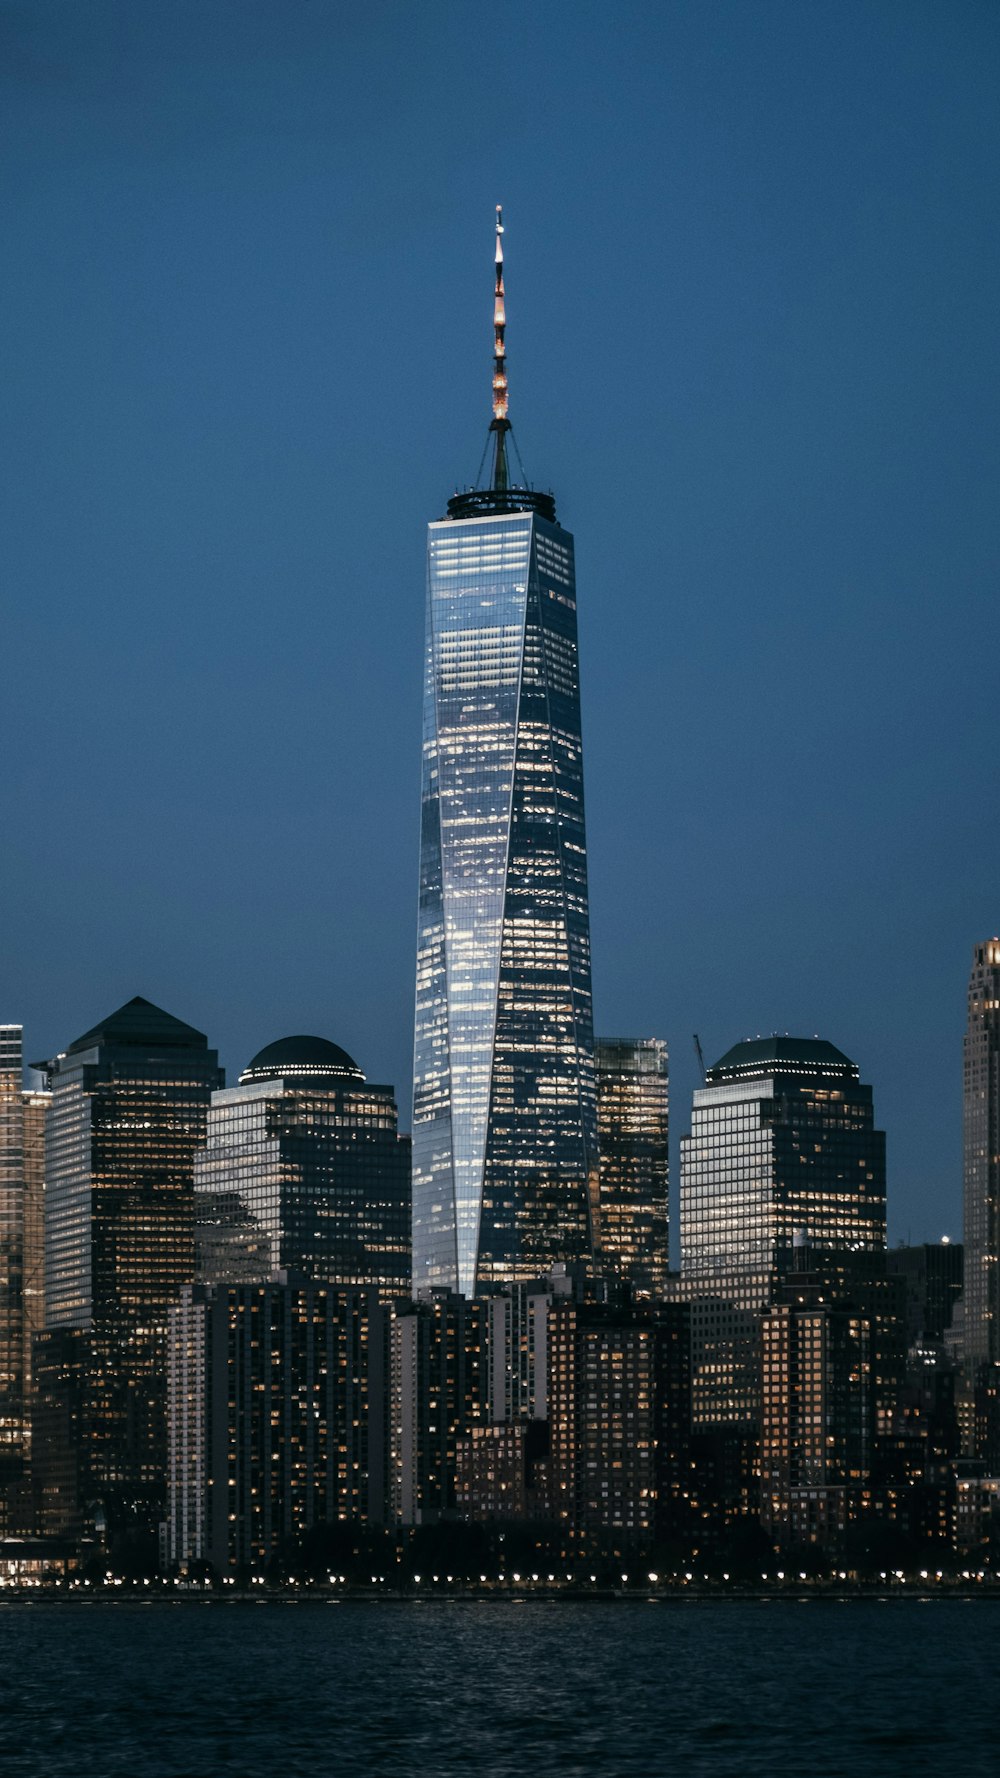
752	297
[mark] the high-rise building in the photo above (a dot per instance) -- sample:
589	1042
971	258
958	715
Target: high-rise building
783	1161
304	1171
129	1109
816	1426
783	1154
504	1120
22	1134
981	1101
439	1384
12	1428
276	1411
632	1140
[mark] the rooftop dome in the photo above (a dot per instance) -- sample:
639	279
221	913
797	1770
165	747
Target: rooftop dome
301	1058
810	1057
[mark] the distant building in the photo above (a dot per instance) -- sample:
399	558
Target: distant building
619	1412
22	1132
632	1137
276	1398
439	1392
816	1423
129	1109
501	1471
783	1159
981	1173
933	1276
304	1171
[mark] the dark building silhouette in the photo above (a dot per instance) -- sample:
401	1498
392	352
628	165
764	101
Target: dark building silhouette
932	1274
129	1109
304	1171
276	1396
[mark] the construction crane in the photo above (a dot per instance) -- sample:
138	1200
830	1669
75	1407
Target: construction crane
701	1059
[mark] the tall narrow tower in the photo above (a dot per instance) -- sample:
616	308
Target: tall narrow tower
981	1171
504	1120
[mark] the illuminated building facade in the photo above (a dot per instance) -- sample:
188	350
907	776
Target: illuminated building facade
129	1108
276	1411
632	1140
816	1423
981	1101
602	1423
22	1131
304	1171
783	1159
504	1119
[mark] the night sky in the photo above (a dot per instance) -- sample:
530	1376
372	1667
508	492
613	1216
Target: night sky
753	278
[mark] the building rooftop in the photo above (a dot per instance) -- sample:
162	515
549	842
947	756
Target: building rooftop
301	1058
141	1025
757	1057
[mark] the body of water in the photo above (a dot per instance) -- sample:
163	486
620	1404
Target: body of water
498	1687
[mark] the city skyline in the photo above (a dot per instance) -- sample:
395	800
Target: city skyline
759	384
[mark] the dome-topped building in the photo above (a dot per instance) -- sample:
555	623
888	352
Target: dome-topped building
301	1058
304	1172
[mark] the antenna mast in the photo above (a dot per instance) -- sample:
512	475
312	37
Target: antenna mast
499	425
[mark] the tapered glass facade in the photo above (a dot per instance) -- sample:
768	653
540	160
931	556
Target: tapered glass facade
504	1120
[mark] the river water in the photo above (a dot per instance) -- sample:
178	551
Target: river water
501	1686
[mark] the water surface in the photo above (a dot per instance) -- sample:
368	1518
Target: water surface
498	1687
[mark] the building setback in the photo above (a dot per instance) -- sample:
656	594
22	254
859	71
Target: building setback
129	1108
304	1171
504	1119
632	1138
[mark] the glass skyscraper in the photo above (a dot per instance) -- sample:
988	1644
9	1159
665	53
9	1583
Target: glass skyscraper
632	1135
504	1118
981	1105
304	1171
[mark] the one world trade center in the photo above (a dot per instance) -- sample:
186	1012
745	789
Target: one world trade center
504	1123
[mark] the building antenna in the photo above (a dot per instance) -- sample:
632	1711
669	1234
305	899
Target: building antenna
500	425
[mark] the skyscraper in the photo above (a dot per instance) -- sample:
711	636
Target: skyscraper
22	1130
304	1171
129	1108
783	1154
783	1164
632	1132
504	1124
981	1103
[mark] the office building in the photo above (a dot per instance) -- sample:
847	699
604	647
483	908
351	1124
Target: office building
981	1170
276	1416
504	1120
783	1169
304	1171
22	1133
632	1140
129	1109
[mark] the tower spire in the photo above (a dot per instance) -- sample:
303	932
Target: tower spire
500	425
